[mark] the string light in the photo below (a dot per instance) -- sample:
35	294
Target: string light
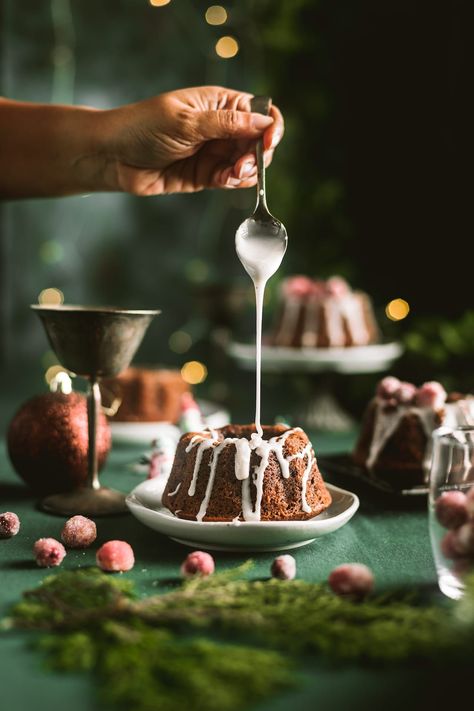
397	309
194	372
180	342
227	47
159	3
51	297
216	15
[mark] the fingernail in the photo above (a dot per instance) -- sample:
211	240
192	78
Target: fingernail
246	168
259	121
276	138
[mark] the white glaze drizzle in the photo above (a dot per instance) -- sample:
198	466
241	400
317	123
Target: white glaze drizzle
173	493
242	470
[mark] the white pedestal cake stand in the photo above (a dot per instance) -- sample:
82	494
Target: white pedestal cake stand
322	411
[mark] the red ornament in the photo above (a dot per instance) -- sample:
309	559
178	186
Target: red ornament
48	442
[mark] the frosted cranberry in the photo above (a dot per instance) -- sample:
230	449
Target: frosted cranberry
463	540
115	557
432	395
448	545
197	563
9	524
337	286
79	532
48	552
351	579
406	393
298	286
388	387
451	509
284	567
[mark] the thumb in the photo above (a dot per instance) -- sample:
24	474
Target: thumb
225	123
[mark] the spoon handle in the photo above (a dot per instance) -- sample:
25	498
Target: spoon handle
260	105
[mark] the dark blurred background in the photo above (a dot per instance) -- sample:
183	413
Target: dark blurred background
371	180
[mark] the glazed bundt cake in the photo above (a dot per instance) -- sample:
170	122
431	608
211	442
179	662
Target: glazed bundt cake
232	474
147	394
323	314
395	439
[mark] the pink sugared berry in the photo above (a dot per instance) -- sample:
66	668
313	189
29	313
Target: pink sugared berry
9	524
79	532
352	579
388	387
115	557
406	393
337	286
431	394
197	563
451	509
297	287
284	567
447	545
49	552
463	540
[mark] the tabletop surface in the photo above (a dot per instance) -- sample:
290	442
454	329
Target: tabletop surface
391	538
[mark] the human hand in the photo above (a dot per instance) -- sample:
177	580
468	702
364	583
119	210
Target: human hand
187	140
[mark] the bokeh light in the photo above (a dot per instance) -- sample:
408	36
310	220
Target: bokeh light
51	297
197	270
58	378
159	3
180	342
227	47
194	372
216	15
51	252
397	309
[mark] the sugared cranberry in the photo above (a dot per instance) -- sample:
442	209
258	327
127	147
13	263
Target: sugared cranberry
447	545
337	286
431	394
406	393
79	532
284	567
298	287
115	557
351	579
388	387
451	509
9	524
49	552
464	539
197	563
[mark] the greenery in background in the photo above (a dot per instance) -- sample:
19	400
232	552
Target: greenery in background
173	650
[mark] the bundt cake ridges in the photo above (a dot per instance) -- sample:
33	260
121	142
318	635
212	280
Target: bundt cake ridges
231	473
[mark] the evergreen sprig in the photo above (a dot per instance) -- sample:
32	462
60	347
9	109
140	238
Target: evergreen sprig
172	650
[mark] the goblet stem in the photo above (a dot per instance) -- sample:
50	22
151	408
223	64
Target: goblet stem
93	409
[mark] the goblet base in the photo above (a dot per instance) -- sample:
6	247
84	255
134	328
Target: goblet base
88	502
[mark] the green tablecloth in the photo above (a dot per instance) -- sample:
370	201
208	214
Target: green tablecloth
392	540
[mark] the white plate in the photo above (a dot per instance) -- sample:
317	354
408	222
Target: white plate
145	432
145	504
354	359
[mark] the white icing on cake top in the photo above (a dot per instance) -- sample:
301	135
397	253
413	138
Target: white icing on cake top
242	469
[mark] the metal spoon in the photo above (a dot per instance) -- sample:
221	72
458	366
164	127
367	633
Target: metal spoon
261	225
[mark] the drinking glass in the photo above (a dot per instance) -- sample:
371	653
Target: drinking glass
451	526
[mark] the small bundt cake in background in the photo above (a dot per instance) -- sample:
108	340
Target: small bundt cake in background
232	474
323	314
395	440
147	395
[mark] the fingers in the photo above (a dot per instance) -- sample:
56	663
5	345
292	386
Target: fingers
226	123
274	133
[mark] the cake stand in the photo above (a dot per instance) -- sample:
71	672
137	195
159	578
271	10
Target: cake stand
322	411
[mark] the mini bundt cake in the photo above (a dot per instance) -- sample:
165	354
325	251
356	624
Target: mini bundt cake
232	474
147	395
395	440
323	314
